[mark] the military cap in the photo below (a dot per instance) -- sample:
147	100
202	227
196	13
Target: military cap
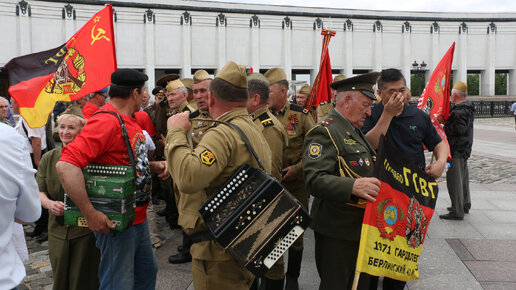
460	86
305	89
174	85
130	78
200	75
188	83
73	110
257	76
234	74
363	83
163	81
339	78
275	75
157	90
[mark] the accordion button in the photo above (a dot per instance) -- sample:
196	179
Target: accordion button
245	176
206	208
211	210
248	212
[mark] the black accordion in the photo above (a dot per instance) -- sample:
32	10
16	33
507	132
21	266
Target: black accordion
254	218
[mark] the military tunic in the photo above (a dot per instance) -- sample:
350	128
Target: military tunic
336	216
73	255
323	109
206	168
193	104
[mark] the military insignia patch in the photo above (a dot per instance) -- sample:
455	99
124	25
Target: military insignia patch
315	151
207	157
350	142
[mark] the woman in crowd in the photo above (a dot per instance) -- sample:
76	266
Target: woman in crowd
73	255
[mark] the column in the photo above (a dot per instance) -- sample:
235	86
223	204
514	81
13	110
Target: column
488	75
348	51
406	65
461	74
511	83
24	28
68	15
377	29
287	46
150	20
435	31
254	25
186	66
317	49
221	40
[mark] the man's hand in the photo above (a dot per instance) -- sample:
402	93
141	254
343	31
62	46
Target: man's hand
366	188
179	120
160	168
435	169
394	107
56	207
288	174
99	222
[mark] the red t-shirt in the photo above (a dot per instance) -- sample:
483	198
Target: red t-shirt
88	110
144	121
101	142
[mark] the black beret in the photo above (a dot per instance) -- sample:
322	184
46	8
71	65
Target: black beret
129	78
363	83
156	90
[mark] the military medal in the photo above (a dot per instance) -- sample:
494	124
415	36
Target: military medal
367	162
361	162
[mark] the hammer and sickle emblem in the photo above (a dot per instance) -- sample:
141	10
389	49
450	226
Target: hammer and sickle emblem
100	35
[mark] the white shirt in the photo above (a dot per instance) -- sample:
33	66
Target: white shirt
150	144
513	108
31	132
19	198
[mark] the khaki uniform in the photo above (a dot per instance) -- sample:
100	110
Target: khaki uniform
323	109
73	255
205	168
336	217
192	103
296	122
277	139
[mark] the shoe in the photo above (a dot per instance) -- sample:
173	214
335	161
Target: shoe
43	237
466	209
162	212
180	258
450	216
36	232
449	208
181	249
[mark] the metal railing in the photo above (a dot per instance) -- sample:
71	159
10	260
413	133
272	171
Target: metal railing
488	108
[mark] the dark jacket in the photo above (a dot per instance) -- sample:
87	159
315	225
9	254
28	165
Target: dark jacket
459	129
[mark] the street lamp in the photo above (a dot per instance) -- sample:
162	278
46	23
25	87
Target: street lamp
419	70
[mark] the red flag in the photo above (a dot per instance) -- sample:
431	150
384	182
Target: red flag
435	99
81	66
321	91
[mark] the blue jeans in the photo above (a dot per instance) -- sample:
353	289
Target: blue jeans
127	260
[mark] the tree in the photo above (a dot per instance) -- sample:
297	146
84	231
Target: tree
473	84
500	84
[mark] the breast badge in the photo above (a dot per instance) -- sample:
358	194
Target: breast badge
207	157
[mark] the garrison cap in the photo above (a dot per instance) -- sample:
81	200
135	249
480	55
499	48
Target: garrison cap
73	110
275	75
188	83
129	78
339	78
363	83
257	76
163	81
305	89
234	74
460	86
157	90
174	85
200	75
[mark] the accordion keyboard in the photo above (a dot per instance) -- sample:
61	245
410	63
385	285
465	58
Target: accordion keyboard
283	246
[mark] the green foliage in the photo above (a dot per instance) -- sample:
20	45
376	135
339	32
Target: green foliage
473	84
417	84
500	84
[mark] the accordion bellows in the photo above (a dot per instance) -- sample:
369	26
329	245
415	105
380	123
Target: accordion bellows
254	218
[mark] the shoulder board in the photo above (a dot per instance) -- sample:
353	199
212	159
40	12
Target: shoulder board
194	114
322	103
327	122
187	109
266	120
298	108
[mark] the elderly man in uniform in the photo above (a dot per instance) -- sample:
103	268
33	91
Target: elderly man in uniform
206	167
325	107
459	130
334	146
297	122
302	96
277	138
188	82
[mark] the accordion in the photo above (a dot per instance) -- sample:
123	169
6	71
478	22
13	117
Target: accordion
111	190
254	218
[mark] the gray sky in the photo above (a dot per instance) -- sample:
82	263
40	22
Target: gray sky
403	5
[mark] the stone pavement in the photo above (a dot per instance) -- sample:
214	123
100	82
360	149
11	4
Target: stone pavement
476	253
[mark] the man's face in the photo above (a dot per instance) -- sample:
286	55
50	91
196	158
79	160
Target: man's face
146	98
277	97
4	109
139	98
175	98
200	93
301	99
14	106
357	108
392	89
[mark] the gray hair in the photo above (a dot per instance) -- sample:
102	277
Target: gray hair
459	93
7	101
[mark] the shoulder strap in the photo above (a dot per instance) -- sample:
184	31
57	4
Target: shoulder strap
125	135
249	146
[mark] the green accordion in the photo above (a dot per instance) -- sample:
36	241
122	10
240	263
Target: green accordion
111	190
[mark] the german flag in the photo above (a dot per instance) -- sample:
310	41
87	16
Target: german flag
395	226
66	73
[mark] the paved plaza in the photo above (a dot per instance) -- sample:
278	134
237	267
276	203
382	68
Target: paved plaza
476	253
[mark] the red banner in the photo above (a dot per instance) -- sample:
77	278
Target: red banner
321	91
81	66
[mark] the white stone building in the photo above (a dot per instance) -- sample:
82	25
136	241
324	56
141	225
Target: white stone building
181	36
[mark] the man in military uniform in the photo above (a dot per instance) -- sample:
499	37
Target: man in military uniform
207	166
297	122
188	82
277	139
325	107
302	96
338	162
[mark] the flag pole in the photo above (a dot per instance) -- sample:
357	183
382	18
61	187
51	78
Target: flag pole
355	280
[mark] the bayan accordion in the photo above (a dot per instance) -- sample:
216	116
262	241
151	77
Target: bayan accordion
111	190
254	218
